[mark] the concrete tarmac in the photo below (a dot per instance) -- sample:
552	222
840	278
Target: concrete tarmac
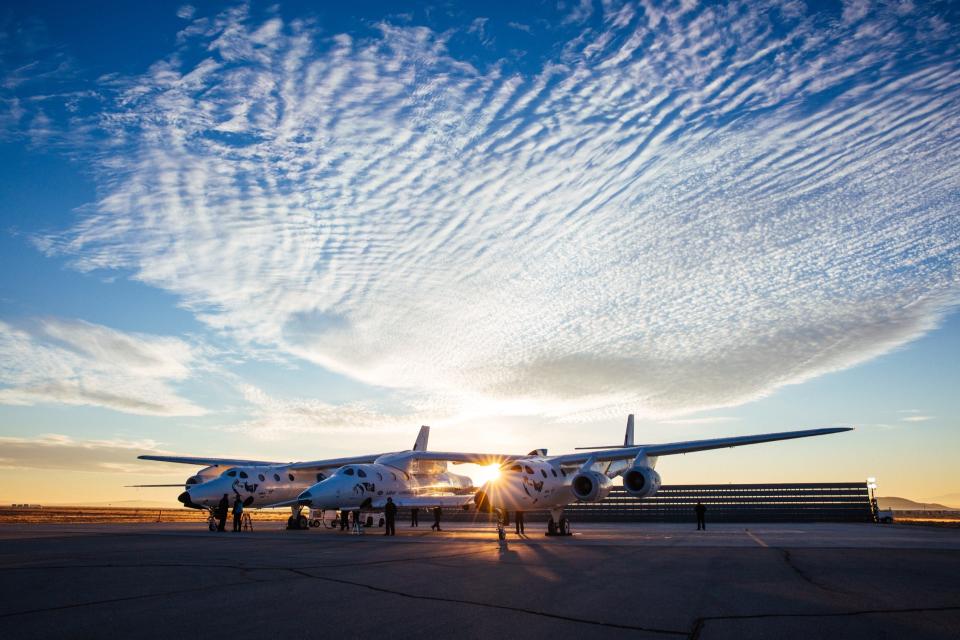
608	580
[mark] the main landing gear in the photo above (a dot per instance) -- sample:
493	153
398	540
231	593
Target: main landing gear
558	525
297	520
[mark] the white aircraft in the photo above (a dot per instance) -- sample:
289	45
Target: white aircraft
259	483
552	482
411	479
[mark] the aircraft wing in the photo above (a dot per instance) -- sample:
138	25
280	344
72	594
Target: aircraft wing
673	448
403	458
226	462
335	462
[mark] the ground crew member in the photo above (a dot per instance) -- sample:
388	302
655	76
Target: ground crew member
701	512
237	513
519	518
390	511
222	509
343	520
357	526
436	518
414	517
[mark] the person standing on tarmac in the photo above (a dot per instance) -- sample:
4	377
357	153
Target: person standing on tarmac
343	520
701	513
390	512
436	518
237	514
415	517
518	516
222	509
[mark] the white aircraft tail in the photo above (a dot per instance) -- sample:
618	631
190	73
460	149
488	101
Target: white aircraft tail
627	438
422	437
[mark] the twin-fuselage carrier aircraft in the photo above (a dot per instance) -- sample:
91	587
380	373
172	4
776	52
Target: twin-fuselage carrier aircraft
419	478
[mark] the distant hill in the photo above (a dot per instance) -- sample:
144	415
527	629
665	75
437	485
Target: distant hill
903	504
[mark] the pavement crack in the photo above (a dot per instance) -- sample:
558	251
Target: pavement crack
490	605
700	623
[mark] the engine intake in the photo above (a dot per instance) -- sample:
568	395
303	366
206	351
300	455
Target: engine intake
641	482
590	486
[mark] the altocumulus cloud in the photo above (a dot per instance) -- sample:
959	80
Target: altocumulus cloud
685	207
79	363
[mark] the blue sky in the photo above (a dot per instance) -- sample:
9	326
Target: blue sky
290	231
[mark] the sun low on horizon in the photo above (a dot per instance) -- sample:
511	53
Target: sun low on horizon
290	232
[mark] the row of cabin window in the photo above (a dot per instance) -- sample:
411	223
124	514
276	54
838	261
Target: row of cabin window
518	468
363	474
243	474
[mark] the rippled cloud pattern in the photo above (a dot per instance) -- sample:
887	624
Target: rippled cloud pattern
681	207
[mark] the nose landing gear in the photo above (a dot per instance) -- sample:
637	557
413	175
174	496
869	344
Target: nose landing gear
558	525
297	520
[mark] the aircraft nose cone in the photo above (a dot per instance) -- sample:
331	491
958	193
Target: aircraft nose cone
184	497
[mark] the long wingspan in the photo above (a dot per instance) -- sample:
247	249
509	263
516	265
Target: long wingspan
403	458
226	462
673	448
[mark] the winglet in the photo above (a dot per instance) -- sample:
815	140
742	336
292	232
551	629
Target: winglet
422	437
628	436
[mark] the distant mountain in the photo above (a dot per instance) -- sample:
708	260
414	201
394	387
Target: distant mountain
950	498
903	504
123	504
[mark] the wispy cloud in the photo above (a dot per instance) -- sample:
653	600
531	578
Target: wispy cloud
689	208
79	363
917	418
61	452
703	420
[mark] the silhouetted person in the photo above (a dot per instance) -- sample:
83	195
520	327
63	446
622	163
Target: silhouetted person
222	509
343	520
390	513
414	517
519	518
436	518
356	520
237	513
701	512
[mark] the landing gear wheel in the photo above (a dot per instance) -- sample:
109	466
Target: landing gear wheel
551	527
564	527
314	523
212	525
302	522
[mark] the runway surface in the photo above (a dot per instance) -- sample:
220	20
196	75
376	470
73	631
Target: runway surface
617	580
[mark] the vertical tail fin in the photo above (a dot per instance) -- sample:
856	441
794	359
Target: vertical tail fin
628	436
422	437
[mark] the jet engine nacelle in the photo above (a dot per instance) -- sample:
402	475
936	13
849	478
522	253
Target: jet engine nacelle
641	482
207	473
590	486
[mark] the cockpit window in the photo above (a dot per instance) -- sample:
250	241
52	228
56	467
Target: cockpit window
232	473
554	472
290	475
528	470
379	475
394	475
243	474
543	473
321	477
276	477
361	473
260	476
348	471
563	473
